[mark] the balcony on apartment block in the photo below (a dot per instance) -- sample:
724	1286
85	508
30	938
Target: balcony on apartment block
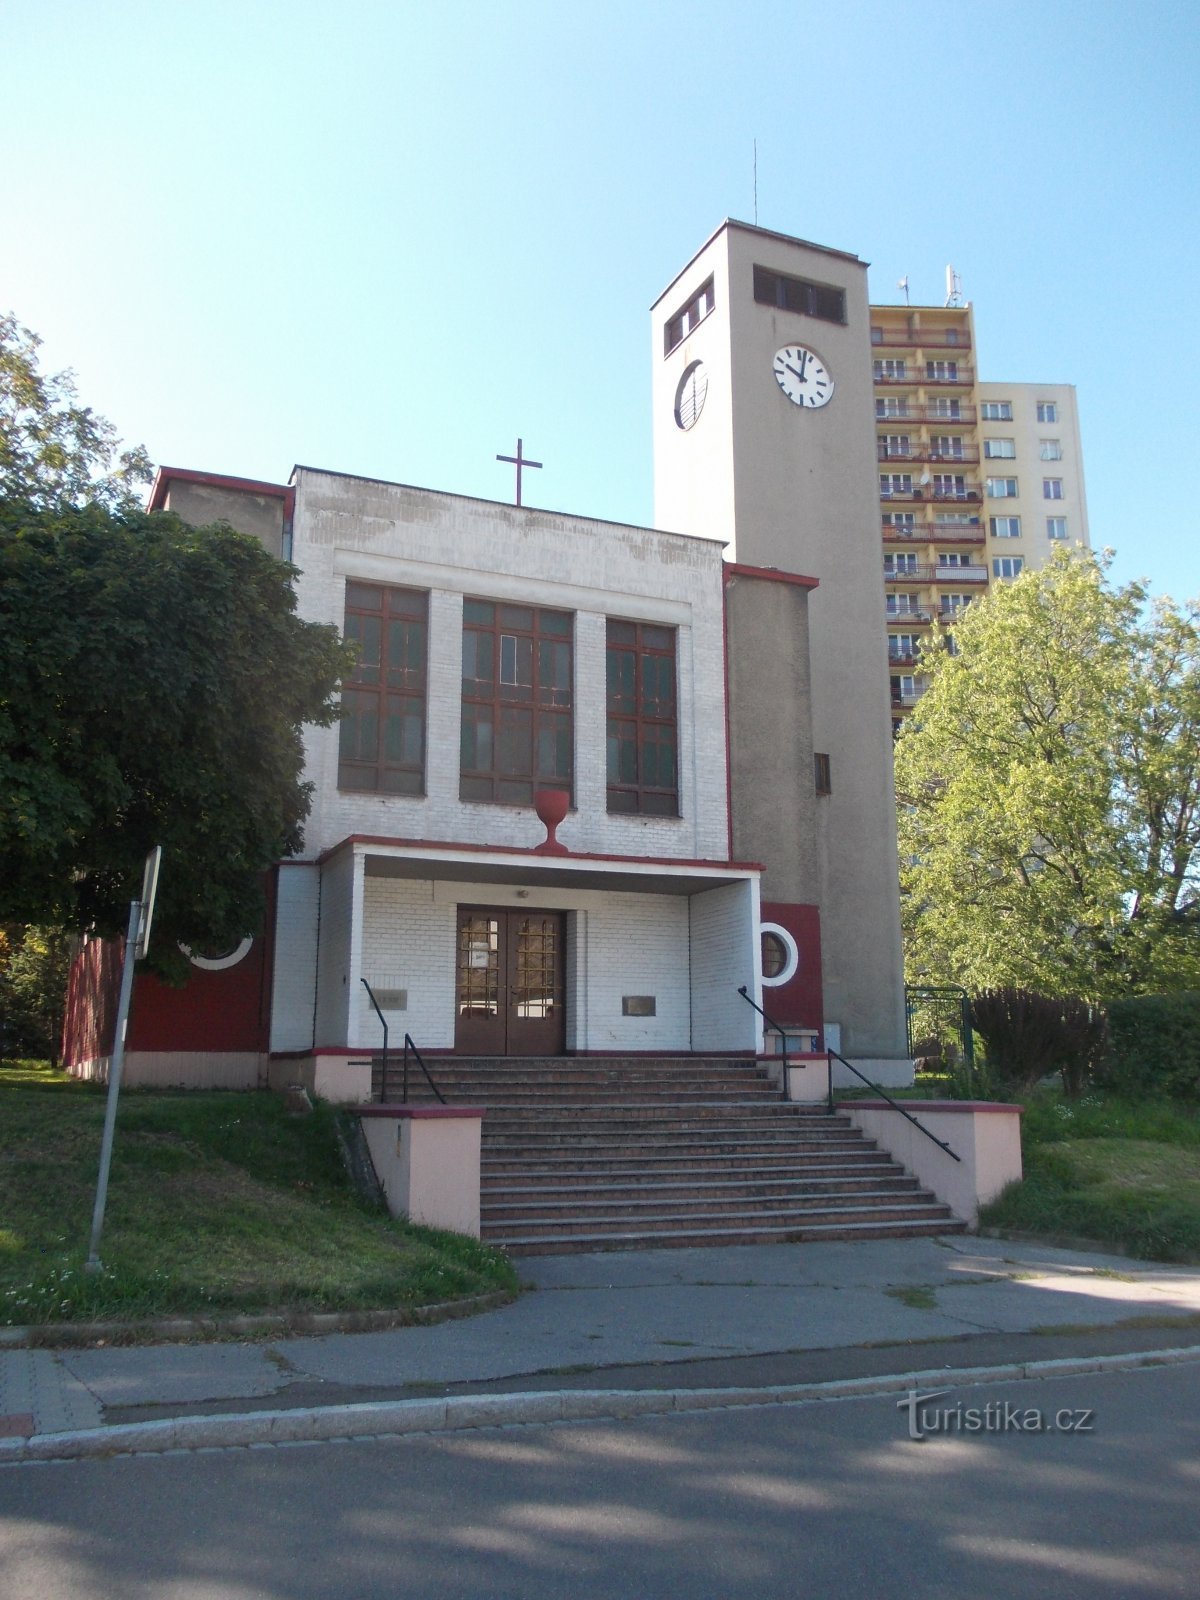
945	574
905	699
914	411
901	658
920	338
907	532
917	450
966	493
924	375
913	619
939	373
933	532
958	532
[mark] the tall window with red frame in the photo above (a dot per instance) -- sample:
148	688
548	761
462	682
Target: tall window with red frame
383	701
643	768
517	702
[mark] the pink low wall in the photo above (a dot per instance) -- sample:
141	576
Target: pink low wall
342	1078
427	1159
807	1076
986	1137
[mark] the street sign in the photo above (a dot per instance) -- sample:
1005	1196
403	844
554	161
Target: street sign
149	890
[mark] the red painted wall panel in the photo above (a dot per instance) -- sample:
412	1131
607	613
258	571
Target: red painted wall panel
228	1010
92	993
799	1000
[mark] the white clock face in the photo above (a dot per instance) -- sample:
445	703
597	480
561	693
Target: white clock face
802	376
691	394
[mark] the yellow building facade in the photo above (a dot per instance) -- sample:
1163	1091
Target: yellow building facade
978	482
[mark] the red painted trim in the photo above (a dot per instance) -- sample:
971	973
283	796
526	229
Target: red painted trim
931	1106
421	1113
315	1050
531	851
650	1055
739	569
728	739
165	476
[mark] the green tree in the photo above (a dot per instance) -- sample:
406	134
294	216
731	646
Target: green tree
1049	789
154	681
53	451
34	964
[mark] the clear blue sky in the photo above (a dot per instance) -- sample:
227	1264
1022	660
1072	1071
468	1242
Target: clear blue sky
387	238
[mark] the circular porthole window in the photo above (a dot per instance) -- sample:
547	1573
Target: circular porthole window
691	395
780	955
213	960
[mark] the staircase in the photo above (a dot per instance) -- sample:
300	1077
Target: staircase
624	1153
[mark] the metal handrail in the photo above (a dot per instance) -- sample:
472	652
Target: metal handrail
830	1055
384	1026
408	1045
782	1032
880	1090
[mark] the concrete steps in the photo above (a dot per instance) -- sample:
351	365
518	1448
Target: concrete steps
630	1153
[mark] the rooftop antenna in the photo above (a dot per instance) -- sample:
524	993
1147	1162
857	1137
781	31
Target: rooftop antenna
954	294
756	183
903	284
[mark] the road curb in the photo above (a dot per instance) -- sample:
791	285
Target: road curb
72	1335
395	1417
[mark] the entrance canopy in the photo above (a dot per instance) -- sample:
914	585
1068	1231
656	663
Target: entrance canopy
588	953
392	858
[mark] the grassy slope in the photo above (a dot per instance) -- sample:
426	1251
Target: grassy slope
217	1203
1121	1173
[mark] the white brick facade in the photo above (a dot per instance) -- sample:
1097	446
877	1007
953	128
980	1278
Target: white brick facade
658	925
338	942
453	547
618	944
387	911
725	954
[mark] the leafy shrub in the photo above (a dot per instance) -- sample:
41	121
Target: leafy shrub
1154	1046
1029	1035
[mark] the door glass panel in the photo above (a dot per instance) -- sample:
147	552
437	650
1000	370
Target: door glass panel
536	951
479	967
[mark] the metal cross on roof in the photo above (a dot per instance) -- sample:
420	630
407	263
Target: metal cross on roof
519	461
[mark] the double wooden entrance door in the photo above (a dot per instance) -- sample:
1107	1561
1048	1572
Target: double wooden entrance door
509	990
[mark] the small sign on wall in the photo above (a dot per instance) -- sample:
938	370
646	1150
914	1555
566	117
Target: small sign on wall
639	1005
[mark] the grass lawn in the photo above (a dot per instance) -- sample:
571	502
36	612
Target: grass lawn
1122	1173
217	1203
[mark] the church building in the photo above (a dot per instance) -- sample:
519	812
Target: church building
591	780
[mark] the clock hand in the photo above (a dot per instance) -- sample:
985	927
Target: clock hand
797	372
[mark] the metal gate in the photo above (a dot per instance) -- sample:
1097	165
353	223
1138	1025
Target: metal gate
938	1019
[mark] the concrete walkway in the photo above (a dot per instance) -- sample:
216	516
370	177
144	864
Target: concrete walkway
708	1318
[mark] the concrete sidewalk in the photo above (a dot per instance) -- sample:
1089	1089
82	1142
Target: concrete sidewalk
708	1319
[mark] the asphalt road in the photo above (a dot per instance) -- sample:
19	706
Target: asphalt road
830	1499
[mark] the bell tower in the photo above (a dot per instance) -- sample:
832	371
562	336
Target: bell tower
764	437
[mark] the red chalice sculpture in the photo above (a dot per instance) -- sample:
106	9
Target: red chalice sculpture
551	806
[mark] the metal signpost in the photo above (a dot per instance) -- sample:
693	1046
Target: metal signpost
137	941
